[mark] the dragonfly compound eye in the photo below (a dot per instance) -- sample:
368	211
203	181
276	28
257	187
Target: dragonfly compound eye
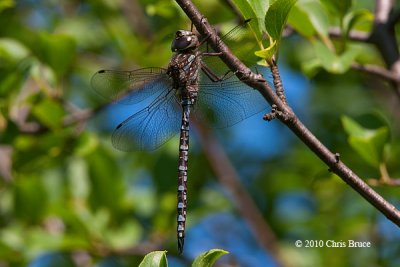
183	40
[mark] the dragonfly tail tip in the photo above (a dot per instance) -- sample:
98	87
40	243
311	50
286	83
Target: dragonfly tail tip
181	241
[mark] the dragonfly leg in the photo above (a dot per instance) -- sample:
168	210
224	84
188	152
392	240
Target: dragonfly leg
214	77
216	54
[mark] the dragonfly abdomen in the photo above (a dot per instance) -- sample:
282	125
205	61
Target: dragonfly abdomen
182	175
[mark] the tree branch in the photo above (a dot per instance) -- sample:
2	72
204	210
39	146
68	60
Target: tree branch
382	10
292	121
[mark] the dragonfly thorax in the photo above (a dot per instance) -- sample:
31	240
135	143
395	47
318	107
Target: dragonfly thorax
185	66
184	71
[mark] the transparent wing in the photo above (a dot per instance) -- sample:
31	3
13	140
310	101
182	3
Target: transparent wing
228	102
240	41
130	87
151	127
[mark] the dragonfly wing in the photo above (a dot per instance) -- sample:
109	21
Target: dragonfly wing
130	87
151	127
228	102
240	40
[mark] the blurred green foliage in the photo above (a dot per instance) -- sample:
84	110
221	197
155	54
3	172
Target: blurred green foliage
64	189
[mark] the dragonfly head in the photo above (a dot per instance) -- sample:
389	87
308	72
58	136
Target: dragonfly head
184	40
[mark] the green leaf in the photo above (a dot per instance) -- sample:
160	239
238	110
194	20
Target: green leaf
53	183
39	239
260	7
87	143
78	177
338	7
352	127
268	52
95	223
11	83
299	20
208	258
155	259
245	8
30	199
357	16
161	8
108	188
250	11
368	143
311	67
57	50
4	4
124	236
276	18
41	72
308	17
347	58
49	113
332	62
371	147
15	63
12	51
6	251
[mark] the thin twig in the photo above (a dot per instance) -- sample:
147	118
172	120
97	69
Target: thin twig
293	122
278	82
353	35
377	71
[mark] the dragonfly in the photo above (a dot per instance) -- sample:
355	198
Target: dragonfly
187	84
